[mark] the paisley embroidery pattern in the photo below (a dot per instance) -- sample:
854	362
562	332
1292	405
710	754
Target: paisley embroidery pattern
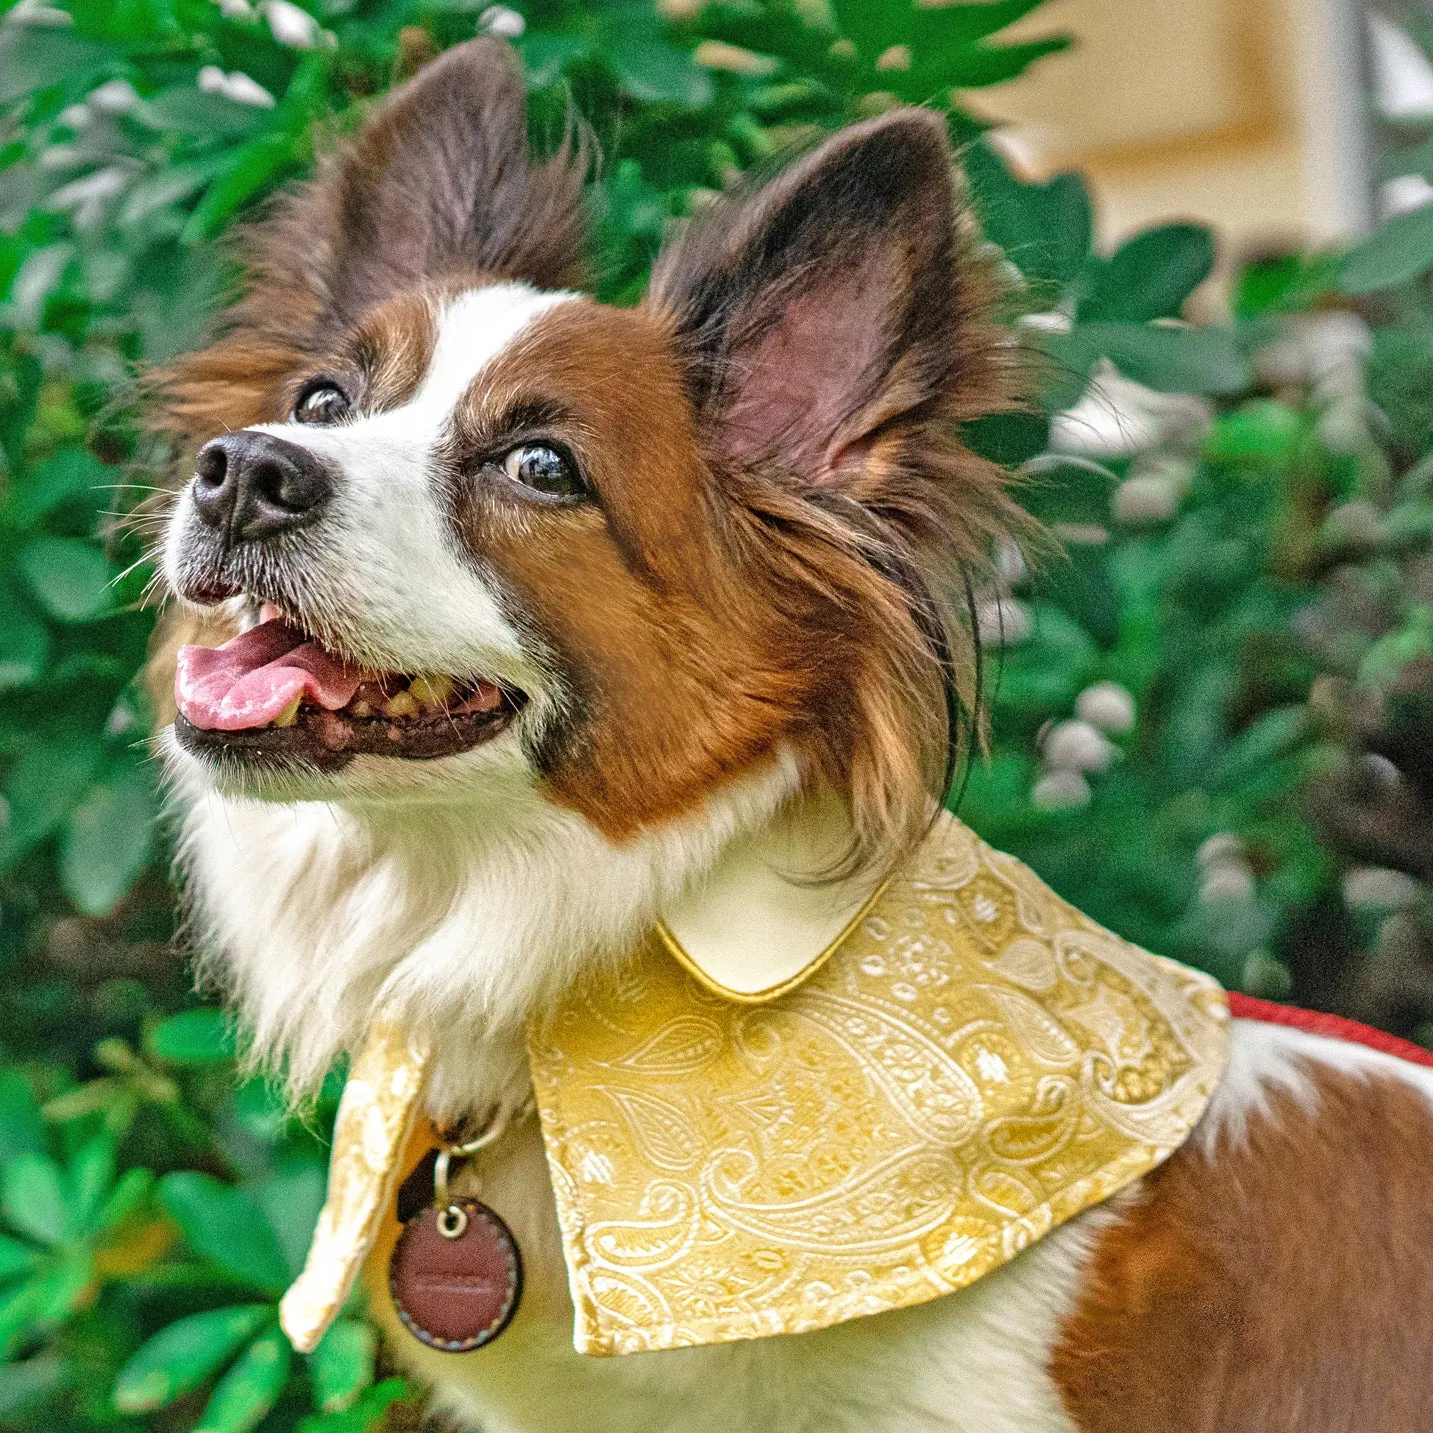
974	1065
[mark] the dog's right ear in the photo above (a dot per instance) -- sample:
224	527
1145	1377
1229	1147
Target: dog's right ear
436	182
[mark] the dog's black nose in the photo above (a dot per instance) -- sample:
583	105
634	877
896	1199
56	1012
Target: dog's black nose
252	485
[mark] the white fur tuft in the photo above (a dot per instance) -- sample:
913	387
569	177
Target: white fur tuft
1264	1057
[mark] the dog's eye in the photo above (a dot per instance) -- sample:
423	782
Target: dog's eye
545	470
321	402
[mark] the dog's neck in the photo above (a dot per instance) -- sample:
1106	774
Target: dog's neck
314	915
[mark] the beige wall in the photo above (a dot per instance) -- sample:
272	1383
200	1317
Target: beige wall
1245	114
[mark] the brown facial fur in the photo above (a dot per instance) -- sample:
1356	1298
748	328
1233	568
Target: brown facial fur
1280	1287
664	631
705	617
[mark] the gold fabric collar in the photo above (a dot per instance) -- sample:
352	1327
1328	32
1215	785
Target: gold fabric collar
973	1064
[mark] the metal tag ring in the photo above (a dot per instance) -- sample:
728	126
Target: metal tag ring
453	1221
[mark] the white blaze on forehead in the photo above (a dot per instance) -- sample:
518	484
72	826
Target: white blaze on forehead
384	573
473	329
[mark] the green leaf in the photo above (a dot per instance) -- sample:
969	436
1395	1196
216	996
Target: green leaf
225	1226
40	278
64	1286
108	840
34	57
185	1353
1254	751
342	1365
249	1389
973	67
1081	584
192	1037
254	166
69	473
1258	431
947	26
1042	675
291	1198
1009	439
167	186
22	1385
34	1199
91	1177
1168	358
1288	283
29	1310
1400	250
544	56
45	782
129	1193
15	1258
186	109
1044	229
1385	660
1069	491
20	1314
871	25
68	578
1148	277
22	1130
655	72
24	642
367	1415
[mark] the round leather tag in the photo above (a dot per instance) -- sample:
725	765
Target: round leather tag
456	1293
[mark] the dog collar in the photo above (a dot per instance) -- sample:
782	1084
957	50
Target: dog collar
764	921
974	1064
970	1065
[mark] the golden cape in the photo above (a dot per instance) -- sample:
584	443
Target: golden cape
973	1063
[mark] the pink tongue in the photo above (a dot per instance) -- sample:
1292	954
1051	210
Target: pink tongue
253	679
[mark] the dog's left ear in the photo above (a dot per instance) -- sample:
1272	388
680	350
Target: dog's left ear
832	304
437	180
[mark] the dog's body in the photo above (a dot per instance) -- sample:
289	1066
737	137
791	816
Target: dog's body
595	595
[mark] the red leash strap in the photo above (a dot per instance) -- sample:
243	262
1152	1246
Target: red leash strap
1246	1007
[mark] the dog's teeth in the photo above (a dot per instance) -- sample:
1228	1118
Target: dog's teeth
432	692
360	708
401	704
290	713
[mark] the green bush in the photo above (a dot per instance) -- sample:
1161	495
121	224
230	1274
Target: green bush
1244	610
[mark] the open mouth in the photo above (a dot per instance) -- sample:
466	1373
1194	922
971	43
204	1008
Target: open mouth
276	695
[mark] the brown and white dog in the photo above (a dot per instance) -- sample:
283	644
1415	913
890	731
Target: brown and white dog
563	600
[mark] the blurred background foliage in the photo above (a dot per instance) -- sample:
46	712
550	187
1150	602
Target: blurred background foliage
1212	710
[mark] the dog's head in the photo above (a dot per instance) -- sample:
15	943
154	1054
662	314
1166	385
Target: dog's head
492	526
